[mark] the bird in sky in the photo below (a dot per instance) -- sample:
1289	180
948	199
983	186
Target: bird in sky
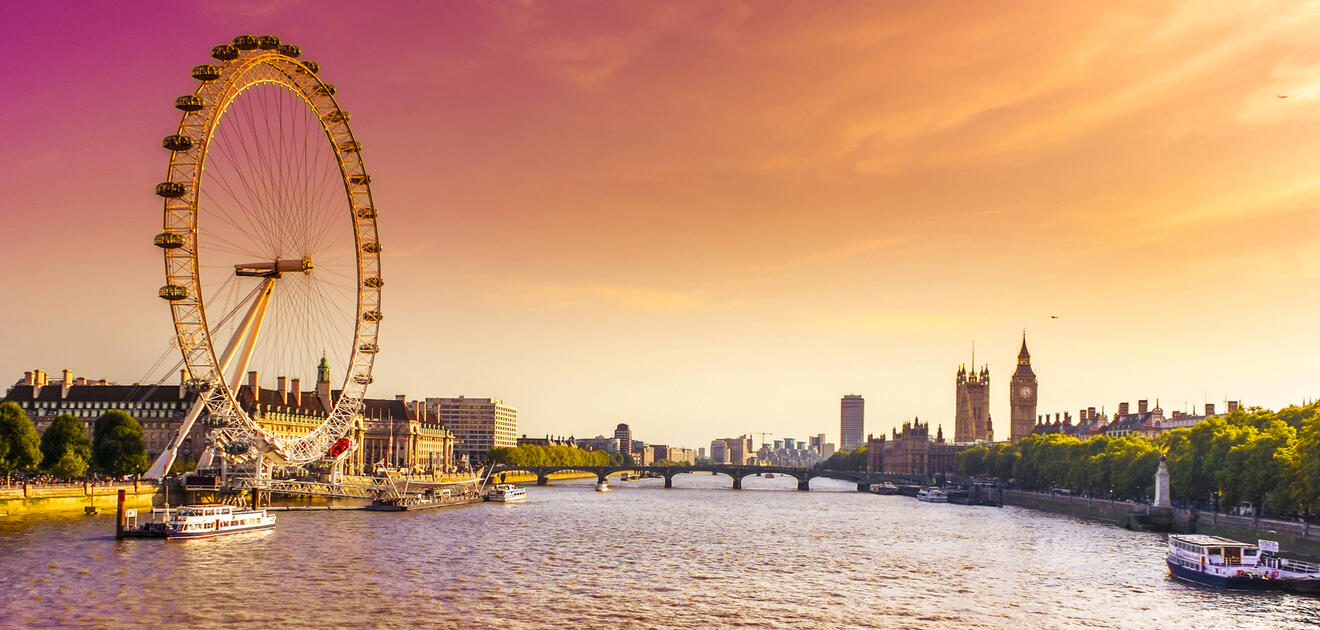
1282	95
1054	316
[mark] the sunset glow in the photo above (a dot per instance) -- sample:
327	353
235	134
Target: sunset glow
715	218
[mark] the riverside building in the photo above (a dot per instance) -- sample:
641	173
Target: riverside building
478	424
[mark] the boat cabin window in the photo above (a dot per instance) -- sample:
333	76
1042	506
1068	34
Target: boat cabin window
1214	551
1249	552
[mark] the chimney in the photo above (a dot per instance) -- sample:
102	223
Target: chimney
401	397
103	382
40	378
1141	406
1209	409
252	383
67	380
1233	405
295	392
420	407
27	378
282	389
68	376
1122	409
183	383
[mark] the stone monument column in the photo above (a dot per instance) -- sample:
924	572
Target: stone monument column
1162	485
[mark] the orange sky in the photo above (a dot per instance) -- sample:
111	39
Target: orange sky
706	219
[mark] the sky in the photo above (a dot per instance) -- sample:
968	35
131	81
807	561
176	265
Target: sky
713	218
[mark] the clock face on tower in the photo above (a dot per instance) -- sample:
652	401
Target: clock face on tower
1025	392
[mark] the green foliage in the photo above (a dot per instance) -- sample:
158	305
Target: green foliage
556	455
183	466
69	466
20	447
66	447
845	460
1270	459
117	445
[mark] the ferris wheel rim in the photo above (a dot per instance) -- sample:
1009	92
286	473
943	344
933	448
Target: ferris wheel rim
242	68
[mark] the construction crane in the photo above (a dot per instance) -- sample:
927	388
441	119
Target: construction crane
762	434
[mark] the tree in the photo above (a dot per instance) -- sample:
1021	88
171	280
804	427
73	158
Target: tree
20	447
65	445
118	448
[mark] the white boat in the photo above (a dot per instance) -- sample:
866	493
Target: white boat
603	486
507	493
1232	564
932	495
206	521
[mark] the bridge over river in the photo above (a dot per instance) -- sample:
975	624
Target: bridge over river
737	473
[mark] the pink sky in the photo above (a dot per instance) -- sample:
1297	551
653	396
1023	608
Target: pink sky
706	218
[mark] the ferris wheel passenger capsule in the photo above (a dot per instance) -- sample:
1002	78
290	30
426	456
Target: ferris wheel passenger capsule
173	292
225	52
350	146
338	116
246	42
372	316
290	50
373	282
168	240
371	248
177	143
206	72
366	212
359	180
369	348
197	385
189	103
170	190
268	42
363	379
324	89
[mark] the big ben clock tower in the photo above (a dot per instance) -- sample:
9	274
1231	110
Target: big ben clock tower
1023	404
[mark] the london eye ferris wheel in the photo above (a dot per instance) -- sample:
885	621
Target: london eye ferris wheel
271	248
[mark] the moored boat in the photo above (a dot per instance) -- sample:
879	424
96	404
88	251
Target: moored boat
210	520
507	493
884	488
932	495
428	496
1231	564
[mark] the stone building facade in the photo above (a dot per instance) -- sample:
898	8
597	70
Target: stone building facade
912	451
972	410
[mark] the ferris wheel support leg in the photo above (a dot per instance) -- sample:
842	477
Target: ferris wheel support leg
254	315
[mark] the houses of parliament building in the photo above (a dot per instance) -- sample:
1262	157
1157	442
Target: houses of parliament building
972	421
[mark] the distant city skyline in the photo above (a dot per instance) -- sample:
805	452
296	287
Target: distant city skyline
712	220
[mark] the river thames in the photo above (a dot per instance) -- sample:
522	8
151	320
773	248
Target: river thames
697	556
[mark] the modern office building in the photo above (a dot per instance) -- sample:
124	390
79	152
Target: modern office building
478	424
852	416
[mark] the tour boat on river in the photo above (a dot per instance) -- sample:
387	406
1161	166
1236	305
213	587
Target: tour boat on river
507	493
1226	563
207	521
932	495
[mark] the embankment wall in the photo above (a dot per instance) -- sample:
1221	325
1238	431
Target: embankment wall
1296	539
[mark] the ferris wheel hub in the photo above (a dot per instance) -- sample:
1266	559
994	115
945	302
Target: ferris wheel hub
273	269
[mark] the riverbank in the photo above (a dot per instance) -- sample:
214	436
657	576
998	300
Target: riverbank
75	498
525	477
1297	539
